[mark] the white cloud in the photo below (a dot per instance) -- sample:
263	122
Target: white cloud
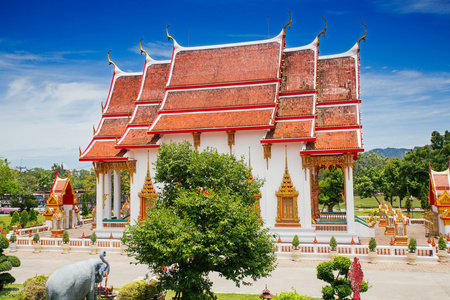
415	6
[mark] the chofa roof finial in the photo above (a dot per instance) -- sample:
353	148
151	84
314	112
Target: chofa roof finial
110	61
168	35
140	46
363	38
322	32
288	24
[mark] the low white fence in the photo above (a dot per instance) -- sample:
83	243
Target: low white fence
76	245
425	254
33	230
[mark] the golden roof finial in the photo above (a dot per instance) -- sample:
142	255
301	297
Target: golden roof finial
168	35
322	32
79	148
363	38
140	46
285	154
93	127
288	24
110	61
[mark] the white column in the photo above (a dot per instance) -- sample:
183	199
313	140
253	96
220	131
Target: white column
135	202
307	200
117	194
108	200
350	207
99	210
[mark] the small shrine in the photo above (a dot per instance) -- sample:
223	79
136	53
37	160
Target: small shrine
62	210
383	209
147	195
439	199
400	221
390	217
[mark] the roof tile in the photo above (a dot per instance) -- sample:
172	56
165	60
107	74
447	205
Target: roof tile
296	106
336	140
155	82
124	95
113	127
336	116
337	79
291	129
298	71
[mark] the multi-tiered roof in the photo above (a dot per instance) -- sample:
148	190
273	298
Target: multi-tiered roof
294	94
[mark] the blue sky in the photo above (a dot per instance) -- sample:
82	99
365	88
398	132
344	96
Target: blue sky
54	71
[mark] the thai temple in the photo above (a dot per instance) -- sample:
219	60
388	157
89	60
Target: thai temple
439	199
288	111
62	210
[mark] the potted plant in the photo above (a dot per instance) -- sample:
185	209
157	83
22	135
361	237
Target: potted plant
296	251
373	251
94	247
123	247
65	242
13	244
442	252
412	255
333	247
36	243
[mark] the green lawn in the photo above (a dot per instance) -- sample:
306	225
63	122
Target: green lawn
221	296
372	202
11	291
6	219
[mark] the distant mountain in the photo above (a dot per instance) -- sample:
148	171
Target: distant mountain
390	152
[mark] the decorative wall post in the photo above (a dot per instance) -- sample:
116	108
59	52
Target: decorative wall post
196	136
231	140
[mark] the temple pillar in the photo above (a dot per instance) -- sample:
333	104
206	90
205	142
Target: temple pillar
108	200
117	194
99	211
349	208
307	200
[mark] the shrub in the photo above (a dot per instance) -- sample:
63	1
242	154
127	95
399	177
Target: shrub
33	216
295	242
15	218
441	243
333	243
34	288
24	219
340	285
14	260
6	263
412	246
84	208
36	237
13	237
65	237
290	296
138	290
93	237
372	244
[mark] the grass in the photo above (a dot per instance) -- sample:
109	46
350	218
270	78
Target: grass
6	219
372	202
224	296
11	291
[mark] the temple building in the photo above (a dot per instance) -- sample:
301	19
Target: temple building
62	210
439	199
296	111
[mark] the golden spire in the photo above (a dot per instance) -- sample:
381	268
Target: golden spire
285	163
168	35
288	24
364	36
110	61
322	32
140	46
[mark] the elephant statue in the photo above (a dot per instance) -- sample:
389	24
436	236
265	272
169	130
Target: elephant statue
77	281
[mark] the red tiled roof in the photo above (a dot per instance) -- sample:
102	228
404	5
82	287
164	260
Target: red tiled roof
124	95
155	82
298	71
336	140
221	97
291	129
144	114
337	79
330	116
213	121
59	185
228	64
137	137
296	106
441	183
112	127
102	149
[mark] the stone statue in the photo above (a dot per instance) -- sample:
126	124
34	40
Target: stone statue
77	281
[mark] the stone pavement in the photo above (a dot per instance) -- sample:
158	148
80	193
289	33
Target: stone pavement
388	280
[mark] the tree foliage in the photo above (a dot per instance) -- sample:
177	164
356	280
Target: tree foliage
368	172
204	221
331	188
6	263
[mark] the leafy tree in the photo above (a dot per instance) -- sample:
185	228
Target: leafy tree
33	216
6	263
84	208
8	184
368	173
24	218
24	202
203	222
331	188
15	218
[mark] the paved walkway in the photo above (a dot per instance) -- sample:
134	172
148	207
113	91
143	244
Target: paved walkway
388	280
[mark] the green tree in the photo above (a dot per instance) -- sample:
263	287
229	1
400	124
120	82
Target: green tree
368	174
6	263
331	188
203	222
8	184
33	216
15	218
84	208
24	218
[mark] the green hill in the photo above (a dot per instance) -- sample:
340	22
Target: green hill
390	152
